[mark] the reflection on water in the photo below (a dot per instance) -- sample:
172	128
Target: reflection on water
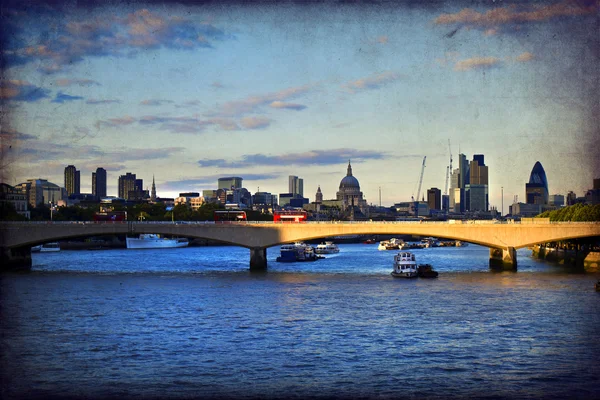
194	322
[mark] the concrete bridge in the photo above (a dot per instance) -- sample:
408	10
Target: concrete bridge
503	239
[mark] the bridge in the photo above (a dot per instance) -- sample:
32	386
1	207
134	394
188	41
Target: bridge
502	238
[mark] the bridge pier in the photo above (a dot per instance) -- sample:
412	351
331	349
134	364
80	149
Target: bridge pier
258	258
17	258
503	258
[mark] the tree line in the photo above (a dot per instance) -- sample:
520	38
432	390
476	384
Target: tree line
578	213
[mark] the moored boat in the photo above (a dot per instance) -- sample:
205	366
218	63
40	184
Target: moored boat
392	244
426	271
154	241
327	248
405	265
46	247
298	251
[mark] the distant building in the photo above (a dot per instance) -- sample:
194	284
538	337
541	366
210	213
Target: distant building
126	184
536	191
557	200
296	185
349	192
153	191
231	182
16	198
99	183
319	196
40	191
571	198
262	198
72	180
525	210
434	199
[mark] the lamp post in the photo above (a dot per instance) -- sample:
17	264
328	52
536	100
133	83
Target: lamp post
51	209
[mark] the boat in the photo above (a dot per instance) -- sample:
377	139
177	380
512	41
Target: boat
405	265
461	244
46	248
298	251
154	241
327	248
426	271
392	244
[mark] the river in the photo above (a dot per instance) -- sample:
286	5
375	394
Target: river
196	323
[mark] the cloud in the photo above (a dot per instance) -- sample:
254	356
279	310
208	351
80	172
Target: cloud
211	181
238	108
372	82
516	15
217	85
114	122
191	103
255	122
382	39
315	157
9	135
155	102
80	82
98	101
176	124
525	57
17	90
62	97
76	40
289	106
226	124
476	63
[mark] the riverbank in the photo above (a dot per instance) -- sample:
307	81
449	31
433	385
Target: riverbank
588	260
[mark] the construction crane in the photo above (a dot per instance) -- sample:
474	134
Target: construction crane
446	187
416	203
449	168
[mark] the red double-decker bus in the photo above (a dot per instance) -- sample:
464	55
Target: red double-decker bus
290	216
110	216
230	216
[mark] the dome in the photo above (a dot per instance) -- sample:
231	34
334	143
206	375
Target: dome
349	182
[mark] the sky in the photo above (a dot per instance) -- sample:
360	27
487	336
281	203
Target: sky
189	93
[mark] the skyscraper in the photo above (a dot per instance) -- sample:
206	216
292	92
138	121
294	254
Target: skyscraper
536	191
230	182
296	185
476	191
127	183
434	198
153	192
99	183
72	180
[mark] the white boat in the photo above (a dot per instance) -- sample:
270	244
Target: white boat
327	248
46	247
405	265
154	241
298	251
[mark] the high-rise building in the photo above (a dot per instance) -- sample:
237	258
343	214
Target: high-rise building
476	190
72	180
536	191
571	198
557	200
99	183
127	183
434	198
230	182
296	185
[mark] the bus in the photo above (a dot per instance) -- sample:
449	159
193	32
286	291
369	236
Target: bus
230	216
298	215
110	216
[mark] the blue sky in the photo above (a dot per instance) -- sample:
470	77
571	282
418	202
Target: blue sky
192	93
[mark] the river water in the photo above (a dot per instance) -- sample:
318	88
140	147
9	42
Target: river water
196	323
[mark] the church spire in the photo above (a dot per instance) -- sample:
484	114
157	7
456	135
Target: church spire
153	192
349	173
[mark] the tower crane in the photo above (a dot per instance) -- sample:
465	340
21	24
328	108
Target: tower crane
449	168
416	203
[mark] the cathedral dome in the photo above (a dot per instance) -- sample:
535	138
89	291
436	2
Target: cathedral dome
349	182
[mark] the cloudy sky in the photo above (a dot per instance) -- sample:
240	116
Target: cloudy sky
192	93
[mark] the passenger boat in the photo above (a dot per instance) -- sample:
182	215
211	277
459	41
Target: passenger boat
46	248
327	248
154	241
426	271
298	251
405	265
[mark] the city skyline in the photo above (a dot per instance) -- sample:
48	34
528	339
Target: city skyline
189	94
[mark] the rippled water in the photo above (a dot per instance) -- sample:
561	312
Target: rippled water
194	322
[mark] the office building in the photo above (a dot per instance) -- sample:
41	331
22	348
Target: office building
536	191
434	198
99	183
72	180
127	184
229	183
296	185
40	191
557	200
